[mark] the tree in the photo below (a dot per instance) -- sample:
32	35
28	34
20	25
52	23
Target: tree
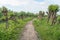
12	17
41	14
49	14
22	14
5	13
53	9
1	13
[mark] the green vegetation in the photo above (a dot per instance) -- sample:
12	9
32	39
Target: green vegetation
48	27
12	23
52	13
14	30
46	31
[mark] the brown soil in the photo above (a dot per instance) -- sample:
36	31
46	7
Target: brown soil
29	33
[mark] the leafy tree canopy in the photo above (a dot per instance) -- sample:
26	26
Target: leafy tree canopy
53	8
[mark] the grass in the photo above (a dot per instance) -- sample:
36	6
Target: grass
14	30
46	31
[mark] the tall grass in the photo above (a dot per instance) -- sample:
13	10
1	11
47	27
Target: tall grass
14	30
46	31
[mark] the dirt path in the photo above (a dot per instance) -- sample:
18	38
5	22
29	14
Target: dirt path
29	33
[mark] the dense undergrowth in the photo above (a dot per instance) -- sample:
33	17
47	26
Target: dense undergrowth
14	30
46	31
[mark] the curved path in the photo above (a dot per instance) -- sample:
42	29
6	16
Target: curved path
29	33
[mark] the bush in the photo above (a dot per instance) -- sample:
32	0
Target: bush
46	31
14	30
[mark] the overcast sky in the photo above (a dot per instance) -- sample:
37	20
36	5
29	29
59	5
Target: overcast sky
28	5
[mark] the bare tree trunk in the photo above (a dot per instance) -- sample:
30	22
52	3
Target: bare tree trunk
49	16
6	21
54	18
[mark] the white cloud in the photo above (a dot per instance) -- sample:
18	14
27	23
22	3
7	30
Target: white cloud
12	2
28	5
42	3
18	2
